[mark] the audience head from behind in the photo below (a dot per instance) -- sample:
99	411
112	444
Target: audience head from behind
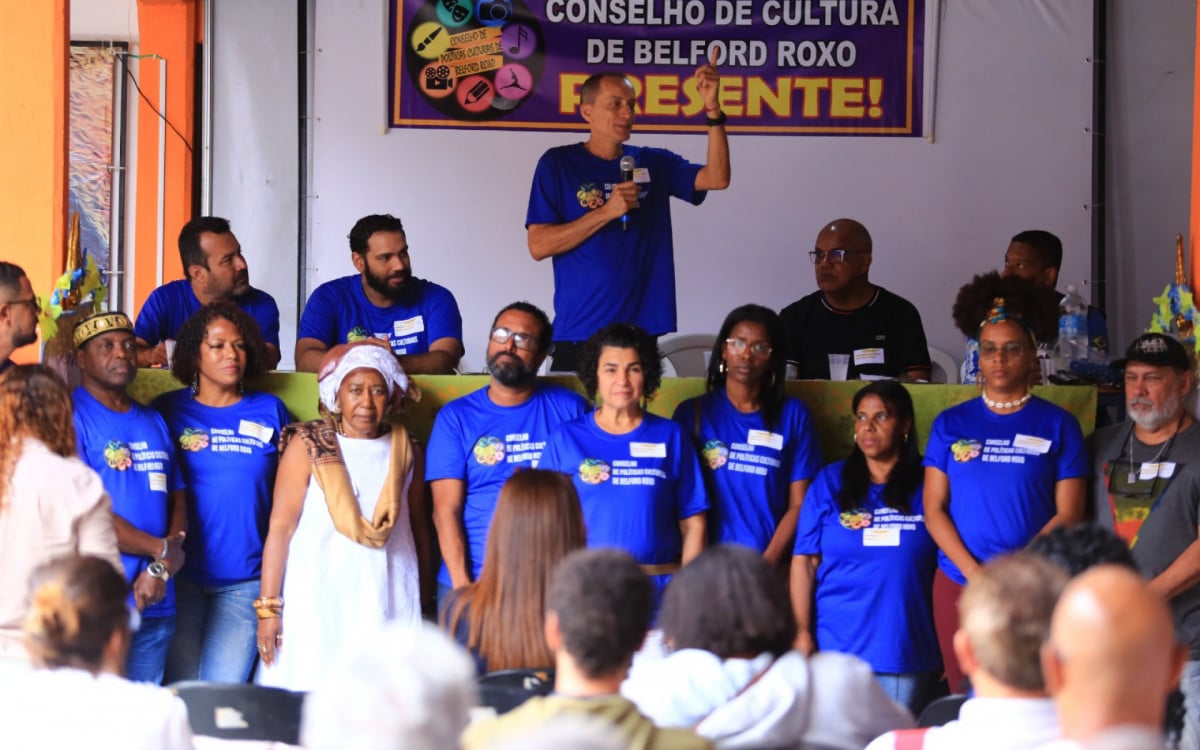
1112	658
1034	255
78	617
1004	613
597	613
34	403
402	688
537	522
728	602
1081	546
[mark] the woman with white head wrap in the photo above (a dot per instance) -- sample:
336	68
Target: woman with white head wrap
346	525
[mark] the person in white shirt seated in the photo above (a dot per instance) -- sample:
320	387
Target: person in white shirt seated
732	676
1005	615
1110	662
77	634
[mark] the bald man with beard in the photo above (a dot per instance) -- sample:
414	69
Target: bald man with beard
1111	661
880	332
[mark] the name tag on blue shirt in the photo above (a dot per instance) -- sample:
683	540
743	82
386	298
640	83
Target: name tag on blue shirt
158	481
409	326
1031	443
765	438
259	432
648	450
876	537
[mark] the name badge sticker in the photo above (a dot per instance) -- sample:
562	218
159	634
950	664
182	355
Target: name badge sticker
409	326
1166	469
648	450
1032	443
871	356
873	536
641	176
765	438
158	481
259	432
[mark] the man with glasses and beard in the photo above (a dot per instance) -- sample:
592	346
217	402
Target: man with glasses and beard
215	270
479	440
414	318
1146	487
18	312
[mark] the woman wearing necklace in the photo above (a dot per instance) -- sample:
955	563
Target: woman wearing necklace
1004	467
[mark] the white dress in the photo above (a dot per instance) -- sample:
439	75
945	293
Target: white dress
337	592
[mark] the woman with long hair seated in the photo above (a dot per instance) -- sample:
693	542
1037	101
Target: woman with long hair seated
499	618
757	445
731	674
51	503
77	633
1002	468
862	575
636	473
348	542
227	440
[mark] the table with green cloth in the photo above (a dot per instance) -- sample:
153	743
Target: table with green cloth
829	401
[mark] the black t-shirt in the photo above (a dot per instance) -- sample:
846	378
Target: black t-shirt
883	337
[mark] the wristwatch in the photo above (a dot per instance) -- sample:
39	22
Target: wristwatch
159	571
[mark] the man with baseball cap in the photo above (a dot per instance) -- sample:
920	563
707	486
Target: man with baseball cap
130	447
1146	487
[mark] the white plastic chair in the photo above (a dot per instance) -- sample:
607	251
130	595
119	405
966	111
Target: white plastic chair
686	355
945	367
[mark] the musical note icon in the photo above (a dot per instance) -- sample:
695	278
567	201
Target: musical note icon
421	47
522	35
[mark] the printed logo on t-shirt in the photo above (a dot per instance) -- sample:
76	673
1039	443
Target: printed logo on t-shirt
965	449
117	455
715	454
590	195
859	518
594	471
488	450
357	333
193	439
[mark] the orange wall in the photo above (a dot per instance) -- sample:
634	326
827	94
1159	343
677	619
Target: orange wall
33	141
170	29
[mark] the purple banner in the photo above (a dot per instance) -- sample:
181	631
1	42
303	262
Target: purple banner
796	67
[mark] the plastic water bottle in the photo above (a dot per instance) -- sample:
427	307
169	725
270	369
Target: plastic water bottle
1072	328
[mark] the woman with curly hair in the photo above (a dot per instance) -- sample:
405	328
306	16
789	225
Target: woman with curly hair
1004	467
862	577
227	441
637	474
758	447
499	617
51	503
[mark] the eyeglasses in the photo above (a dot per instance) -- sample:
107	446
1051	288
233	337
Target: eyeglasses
34	303
758	349
524	341
837	255
1010	349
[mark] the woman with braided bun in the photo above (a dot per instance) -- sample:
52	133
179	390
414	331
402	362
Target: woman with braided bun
348	522
77	633
1002	468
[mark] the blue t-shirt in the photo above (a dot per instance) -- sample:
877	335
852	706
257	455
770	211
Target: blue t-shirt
618	274
634	488
873	589
168	308
482	443
229	455
749	469
1002	470
338	312
132	453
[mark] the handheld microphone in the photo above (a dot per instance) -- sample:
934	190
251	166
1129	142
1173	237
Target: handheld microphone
627	167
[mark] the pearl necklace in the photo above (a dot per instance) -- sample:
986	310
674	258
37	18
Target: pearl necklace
1005	404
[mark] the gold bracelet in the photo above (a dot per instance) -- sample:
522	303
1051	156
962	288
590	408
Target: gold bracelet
268	601
268	613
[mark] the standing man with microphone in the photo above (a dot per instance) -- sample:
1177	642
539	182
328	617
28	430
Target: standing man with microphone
605	273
